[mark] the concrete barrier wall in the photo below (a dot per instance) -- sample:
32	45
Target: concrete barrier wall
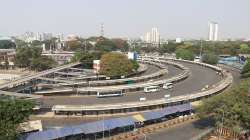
134	87
134	79
134	106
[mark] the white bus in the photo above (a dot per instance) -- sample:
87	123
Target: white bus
142	99
168	86
151	89
102	94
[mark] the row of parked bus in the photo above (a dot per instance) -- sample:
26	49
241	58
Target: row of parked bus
167	86
149	89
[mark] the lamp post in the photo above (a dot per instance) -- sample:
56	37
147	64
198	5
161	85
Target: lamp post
222	119
145	136
201	47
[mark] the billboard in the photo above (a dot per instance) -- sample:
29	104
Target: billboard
96	66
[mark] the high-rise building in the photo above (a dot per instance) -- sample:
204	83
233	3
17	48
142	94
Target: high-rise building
213	31
153	36
148	37
60	37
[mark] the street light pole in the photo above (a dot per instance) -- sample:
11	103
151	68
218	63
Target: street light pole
201	48
222	119
145	136
103	127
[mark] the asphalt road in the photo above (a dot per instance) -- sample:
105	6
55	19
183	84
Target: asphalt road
181	132
190	130
200	77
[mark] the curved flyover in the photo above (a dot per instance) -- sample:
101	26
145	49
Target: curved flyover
136	86
225	81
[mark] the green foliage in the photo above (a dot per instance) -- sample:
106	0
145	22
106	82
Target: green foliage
86	58
74	45
184	54
105	45
120	44
7	44
168	48
135	65
115	64
13	112
220	47
77	55
42	63
23	57
210	58
31	57
230	109
20	43
245	73
244	48
36	43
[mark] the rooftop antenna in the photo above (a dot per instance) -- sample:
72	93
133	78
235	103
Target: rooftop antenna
102	29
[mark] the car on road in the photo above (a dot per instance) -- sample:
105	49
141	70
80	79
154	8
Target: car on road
168	86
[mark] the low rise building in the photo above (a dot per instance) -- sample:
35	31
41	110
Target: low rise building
7	55
61	57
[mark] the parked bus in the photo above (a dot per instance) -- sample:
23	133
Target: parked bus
151	89
102	94
168	86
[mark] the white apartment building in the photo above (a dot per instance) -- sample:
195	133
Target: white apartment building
153	36
213	31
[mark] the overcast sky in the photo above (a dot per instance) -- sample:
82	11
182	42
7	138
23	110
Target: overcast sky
126	18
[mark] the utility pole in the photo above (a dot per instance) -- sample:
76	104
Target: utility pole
201	47
222	120
102	30
102	127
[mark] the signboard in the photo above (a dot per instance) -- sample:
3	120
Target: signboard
96	66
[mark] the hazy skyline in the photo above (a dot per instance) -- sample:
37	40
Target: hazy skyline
127	18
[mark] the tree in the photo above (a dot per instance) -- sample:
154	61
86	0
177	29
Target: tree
105	45
23	57
120	44
42	63
245	73
168	48
230	109
20	43
7	44
210	58
74	45
244	48
135	65
184	54
13	112
31	57
77	55
36	43
88	58
115	64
